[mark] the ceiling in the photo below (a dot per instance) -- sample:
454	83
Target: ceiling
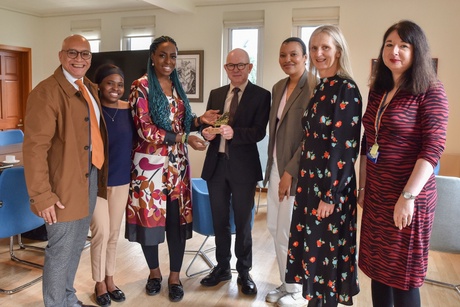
53	8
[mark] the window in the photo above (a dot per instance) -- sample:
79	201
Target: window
137	42
244	30
137	32
90	29
305	21
305	32
247	39
95	45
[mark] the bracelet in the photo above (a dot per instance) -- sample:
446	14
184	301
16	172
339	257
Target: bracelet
184	138
360	189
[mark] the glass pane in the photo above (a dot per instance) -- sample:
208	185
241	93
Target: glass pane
305	33
140	43
247	39
95	45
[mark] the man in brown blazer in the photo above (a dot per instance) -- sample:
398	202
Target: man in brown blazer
61	178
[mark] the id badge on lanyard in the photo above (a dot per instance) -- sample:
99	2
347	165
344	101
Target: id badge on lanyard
373	152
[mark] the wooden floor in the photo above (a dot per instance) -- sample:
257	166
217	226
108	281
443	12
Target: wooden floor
132	274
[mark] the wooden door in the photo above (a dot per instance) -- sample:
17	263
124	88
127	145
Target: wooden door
15	86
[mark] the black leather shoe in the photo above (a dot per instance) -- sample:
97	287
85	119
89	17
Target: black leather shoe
153	286
102	300
80	304
176	292
248	286
117	295
216	276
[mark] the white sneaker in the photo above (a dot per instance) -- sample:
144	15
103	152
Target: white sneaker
293	300
274	295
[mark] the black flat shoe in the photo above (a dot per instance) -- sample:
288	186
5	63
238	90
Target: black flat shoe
117	295
216	276
248	286
102	300
176	292
153	286
80	304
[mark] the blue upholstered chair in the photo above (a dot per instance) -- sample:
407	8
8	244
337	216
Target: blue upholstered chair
202	223
13	136
16	216
446	233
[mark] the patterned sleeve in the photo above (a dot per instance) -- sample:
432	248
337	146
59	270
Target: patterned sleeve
345	140
433	112
138	99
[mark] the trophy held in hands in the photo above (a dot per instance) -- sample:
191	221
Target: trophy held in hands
222	120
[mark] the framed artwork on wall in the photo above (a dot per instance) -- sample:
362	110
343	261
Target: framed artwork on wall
189	66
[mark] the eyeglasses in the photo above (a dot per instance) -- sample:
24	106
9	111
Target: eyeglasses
73	54
240	66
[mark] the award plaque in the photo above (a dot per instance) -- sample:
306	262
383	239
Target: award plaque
222	120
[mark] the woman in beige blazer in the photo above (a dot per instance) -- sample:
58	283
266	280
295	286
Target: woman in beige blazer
290	98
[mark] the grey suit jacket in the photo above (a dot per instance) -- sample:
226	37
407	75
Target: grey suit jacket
289	133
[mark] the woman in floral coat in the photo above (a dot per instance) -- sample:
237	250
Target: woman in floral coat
160	198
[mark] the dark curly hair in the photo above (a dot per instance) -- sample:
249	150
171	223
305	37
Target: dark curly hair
158	103
417	78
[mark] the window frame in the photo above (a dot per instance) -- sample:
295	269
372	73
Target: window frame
227	47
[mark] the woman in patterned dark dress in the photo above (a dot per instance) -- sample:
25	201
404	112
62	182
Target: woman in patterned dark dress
405	132
322	244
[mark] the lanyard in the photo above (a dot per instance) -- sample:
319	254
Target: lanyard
378	118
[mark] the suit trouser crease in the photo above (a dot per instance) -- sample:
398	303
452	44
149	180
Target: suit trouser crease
279	215
105	231
66	241
223	193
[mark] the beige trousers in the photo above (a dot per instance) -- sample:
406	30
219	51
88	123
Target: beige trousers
105	231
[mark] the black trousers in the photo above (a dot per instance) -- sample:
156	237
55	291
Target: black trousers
176	242
224	193
386	296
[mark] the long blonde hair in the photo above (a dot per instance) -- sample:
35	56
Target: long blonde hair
344	67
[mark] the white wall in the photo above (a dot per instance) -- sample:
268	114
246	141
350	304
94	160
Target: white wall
362	21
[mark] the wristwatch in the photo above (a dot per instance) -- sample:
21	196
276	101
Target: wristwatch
408	195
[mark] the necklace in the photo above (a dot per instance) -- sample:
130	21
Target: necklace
111	117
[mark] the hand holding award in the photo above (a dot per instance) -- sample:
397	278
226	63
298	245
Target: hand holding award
222	120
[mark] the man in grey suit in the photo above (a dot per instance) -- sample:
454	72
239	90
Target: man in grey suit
65	166
291	96
232	167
